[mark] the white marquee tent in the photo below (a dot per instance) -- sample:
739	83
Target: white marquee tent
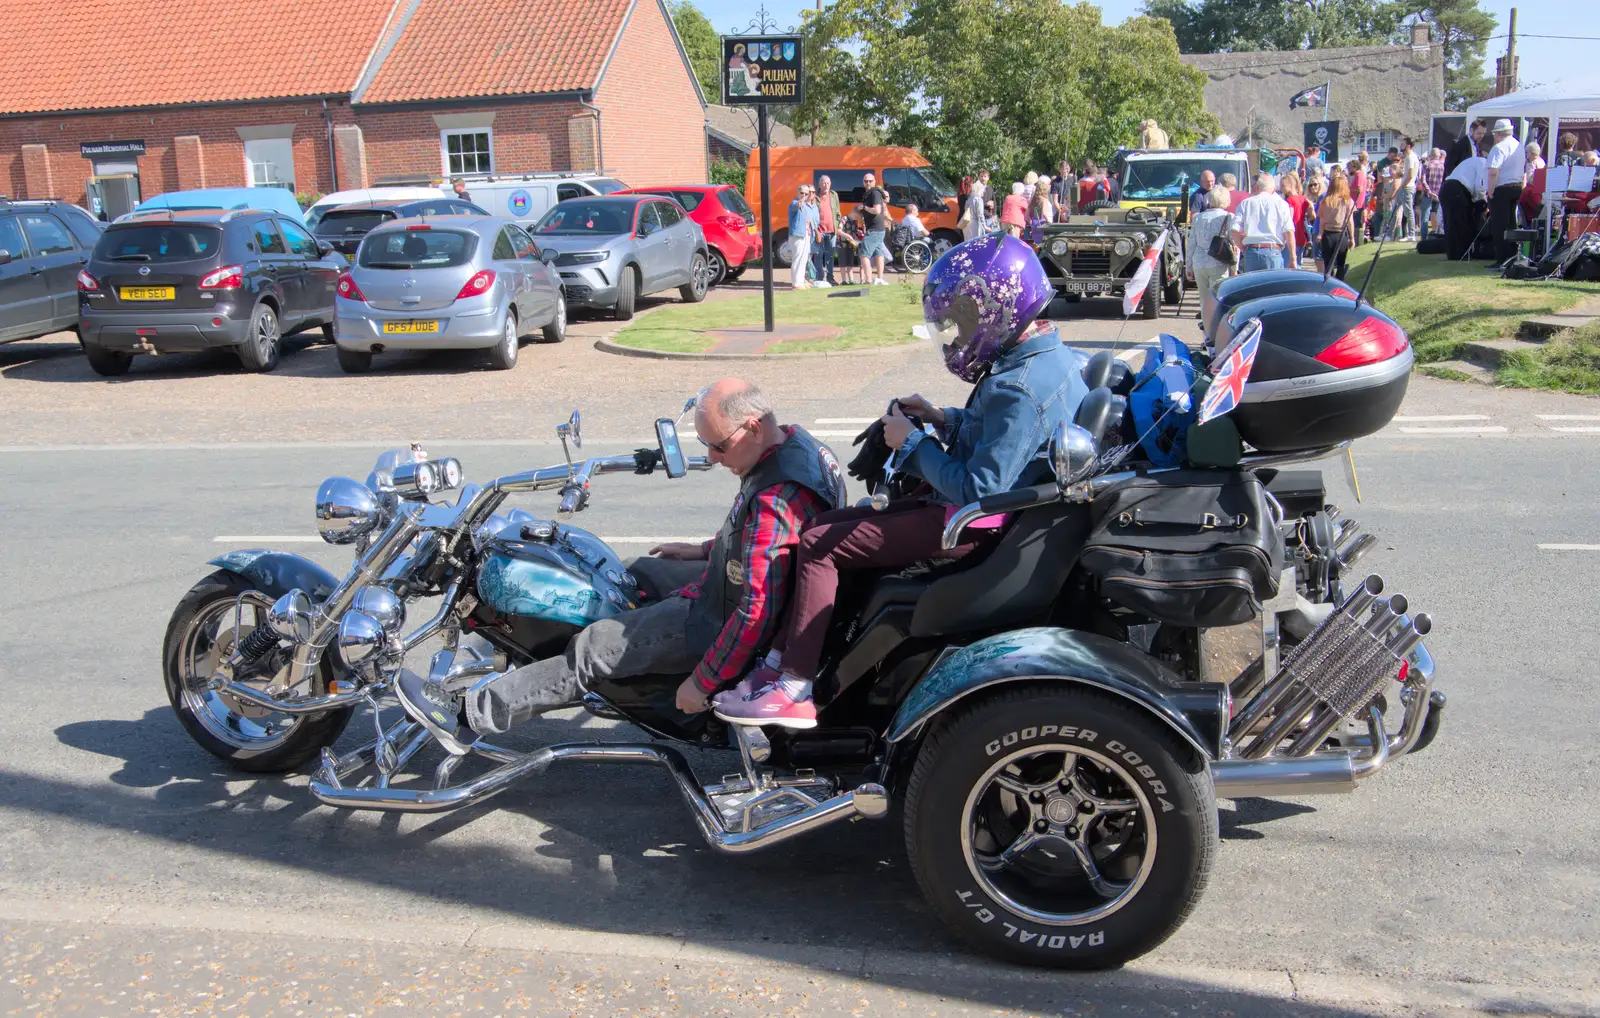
1551	102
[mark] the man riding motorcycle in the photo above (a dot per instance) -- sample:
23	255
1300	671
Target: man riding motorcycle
980	301
713	631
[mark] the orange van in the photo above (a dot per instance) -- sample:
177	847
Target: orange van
903	173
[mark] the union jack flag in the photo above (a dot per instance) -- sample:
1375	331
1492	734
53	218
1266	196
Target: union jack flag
1232	367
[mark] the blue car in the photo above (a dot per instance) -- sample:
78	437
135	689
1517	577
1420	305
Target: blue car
273	199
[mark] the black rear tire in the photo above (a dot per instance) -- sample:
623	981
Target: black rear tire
1095	206
627	294
354	362
109	363
694	291
301	742
719	268
503	355
1150	303
1168	841
259	351
556	331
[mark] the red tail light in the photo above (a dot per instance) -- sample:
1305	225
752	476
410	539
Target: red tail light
1372	341
229	277
347	288
420	226
87	283
1340	291
478	284
731	222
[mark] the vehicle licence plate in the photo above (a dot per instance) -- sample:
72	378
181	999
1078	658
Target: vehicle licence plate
147	292
1071	286
394	327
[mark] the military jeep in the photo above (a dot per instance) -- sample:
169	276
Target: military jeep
1096	255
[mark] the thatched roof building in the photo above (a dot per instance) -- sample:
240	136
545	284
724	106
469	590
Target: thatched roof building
1378	93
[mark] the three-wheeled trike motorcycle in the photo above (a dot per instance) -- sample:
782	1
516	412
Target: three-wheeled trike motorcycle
1051	718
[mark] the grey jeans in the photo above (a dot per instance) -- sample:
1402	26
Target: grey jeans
652	640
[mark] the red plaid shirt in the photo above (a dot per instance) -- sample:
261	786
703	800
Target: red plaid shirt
771	537
1432	177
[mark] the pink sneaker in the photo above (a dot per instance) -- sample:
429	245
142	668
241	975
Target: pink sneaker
762	675
771	705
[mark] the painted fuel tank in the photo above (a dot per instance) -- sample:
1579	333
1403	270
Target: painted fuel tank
556	573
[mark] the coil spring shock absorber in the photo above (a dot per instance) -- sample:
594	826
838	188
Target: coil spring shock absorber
260	640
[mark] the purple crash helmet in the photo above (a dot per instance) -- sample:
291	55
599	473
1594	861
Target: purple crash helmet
980	296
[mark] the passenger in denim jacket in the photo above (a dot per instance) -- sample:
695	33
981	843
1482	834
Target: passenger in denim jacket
980	302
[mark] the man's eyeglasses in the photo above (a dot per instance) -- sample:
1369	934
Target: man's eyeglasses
721	447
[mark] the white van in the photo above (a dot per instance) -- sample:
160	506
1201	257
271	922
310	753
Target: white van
530	196
368	194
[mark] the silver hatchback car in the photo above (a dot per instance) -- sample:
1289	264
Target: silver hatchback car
447	283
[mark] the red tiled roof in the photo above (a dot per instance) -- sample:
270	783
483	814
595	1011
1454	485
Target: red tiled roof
95	54
460	48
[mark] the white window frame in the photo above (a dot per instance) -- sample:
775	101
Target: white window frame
250	164
1376	143
444	151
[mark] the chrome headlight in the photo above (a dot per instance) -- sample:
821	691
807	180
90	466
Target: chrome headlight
586	257
361	639
1123	248
347	510
290	617
1058	248
425	477
382	605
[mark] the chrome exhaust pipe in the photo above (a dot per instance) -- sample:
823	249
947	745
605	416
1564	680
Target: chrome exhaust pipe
1278	687
868	800
1322	774
299	705
1354	550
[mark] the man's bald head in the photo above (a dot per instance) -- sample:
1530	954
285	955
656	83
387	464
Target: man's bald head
737	422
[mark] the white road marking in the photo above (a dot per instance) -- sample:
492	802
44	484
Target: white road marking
1489	430
851	420
1568	417
1445	417
1569	547
1580	431
314	539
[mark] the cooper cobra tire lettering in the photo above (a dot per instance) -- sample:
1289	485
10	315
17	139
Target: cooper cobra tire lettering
1011	922
1032	734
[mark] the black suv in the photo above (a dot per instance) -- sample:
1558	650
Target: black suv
43	244
165	281
344	226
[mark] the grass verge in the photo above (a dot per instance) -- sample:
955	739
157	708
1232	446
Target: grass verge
1444	305
880	316
1569	362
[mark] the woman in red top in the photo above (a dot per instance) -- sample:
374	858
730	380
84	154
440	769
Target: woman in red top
1360	191
1294	194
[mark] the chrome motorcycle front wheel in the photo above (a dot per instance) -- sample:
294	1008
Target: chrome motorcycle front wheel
202	634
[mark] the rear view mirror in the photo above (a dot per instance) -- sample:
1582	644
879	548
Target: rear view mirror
5	257
324	249
549	256
671	452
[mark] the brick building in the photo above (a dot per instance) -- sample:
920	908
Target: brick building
317	96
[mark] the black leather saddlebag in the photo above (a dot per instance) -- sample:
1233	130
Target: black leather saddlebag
1189	548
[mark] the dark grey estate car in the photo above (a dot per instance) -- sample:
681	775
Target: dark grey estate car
193	280
43	244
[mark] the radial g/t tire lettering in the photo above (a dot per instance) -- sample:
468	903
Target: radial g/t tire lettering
1170	782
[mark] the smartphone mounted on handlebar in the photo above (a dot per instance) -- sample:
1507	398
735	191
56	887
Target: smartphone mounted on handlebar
671	452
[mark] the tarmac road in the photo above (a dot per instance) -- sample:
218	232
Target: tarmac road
1464	876
136	876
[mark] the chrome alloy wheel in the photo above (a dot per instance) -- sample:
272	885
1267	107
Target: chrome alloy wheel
508	341
267	334
1059	834
701	270
206	643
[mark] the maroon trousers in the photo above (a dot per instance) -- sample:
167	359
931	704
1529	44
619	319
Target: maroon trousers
903	533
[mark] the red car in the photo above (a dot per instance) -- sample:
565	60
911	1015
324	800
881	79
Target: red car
726	220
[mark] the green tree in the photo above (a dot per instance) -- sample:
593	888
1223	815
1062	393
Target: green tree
1221	26
702	43
1464	30
1004	84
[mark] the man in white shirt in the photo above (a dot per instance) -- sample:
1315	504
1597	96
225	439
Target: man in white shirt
1507	166
1405	201
1462	205
1263	229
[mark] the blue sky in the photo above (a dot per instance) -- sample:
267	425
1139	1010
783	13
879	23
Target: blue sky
1568	60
